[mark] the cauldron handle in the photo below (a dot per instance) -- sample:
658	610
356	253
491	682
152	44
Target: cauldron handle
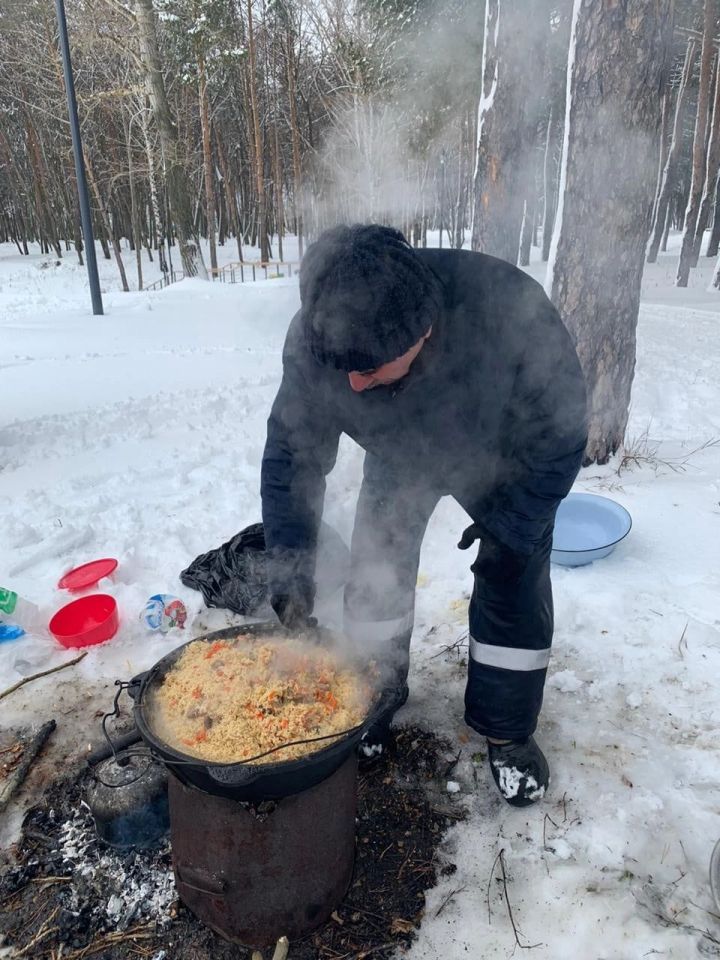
134	685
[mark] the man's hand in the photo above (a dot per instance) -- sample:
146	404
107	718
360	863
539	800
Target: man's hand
470	535
495	562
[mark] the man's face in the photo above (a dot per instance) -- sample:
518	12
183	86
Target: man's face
388	372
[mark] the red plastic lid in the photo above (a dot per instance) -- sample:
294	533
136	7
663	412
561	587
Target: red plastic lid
87	575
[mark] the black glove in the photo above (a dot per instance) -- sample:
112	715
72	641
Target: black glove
294	608
470	535
495	562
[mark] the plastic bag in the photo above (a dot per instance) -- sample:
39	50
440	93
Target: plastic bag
234	576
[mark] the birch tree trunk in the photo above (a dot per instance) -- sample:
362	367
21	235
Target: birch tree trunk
669	174
664	143
616	73
178	186
699	145
712	170
550	184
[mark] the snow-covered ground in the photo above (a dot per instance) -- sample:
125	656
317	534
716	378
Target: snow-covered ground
139	435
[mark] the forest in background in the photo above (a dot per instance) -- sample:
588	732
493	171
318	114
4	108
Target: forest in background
242	121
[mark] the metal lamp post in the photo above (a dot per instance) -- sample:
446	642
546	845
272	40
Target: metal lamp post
85	217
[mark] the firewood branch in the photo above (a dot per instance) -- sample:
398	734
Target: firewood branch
43	673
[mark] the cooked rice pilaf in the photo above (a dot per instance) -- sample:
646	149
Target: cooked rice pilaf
233	699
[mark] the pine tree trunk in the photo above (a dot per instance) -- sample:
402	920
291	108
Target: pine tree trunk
178	186
618	56
204	104
295	136
716	275
507	125
503	137
666	231
699	146
77	234
529	215
40	179
105	219
103	214
669	175
460	199
134	212
712	174
230	196
278	178
259	163
714	241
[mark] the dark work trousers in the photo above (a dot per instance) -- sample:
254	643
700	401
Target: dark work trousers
510	618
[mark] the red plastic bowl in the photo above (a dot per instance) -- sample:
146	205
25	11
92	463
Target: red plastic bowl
86	621
80	578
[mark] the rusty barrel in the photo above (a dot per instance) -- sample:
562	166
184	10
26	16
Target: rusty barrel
254	873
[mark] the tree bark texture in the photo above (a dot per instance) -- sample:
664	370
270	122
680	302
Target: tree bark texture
712	172
134	212
264	243
204	105
699	145
615	82
105	220
507	118
230	196
178	185
664	142
669	174
714	241
295	132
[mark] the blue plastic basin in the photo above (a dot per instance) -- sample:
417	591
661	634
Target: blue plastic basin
587	528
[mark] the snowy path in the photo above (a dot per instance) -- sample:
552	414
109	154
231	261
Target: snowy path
139	435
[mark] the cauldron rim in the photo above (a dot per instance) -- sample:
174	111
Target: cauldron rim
243	780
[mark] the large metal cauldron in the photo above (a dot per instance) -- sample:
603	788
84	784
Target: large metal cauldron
254	875
242	781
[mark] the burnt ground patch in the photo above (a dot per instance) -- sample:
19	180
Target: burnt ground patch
67	897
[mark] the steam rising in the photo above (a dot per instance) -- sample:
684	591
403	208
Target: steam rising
383	156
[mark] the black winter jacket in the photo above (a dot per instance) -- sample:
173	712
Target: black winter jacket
491	412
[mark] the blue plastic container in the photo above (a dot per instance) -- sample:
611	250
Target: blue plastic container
10	631
587	528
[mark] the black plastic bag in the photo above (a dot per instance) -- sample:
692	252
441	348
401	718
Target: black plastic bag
234	576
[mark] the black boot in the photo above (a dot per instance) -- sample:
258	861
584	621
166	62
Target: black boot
520	771
378	738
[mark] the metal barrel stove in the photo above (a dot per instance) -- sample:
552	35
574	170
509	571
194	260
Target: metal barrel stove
254	875
259	850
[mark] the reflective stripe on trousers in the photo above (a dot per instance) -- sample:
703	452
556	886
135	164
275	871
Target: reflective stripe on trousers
509	658
372	633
